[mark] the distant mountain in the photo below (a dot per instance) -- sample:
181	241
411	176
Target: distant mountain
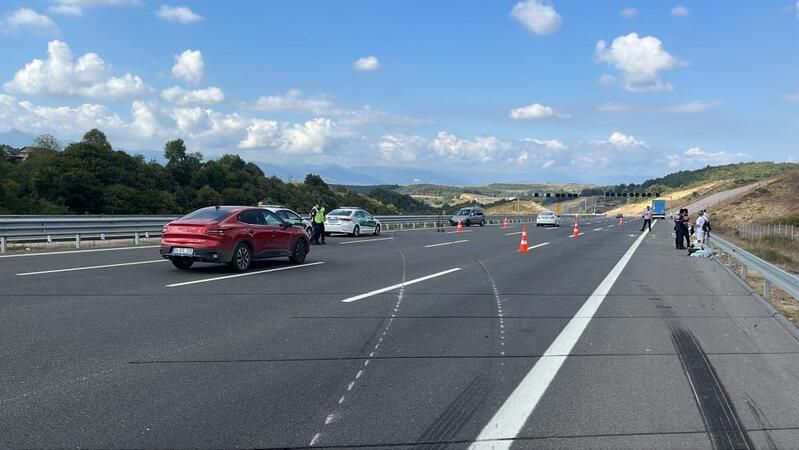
357	175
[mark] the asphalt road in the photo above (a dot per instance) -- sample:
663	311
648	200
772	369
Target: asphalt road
608	340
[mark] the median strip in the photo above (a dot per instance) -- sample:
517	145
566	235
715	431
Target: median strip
399	285
246	274
104	266
446	243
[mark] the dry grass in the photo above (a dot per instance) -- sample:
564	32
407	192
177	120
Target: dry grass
523	207
780	300
673	199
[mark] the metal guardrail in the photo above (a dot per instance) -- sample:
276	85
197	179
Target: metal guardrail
771	274
69	228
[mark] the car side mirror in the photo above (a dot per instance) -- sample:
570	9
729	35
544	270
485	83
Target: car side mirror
287	224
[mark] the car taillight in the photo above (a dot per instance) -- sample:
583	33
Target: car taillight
215	231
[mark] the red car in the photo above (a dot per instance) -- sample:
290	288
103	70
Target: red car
235	235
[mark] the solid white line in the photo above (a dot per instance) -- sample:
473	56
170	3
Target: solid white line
365	240
397	286
446	243
511	234
454	232
511	417
246	274
104	266
66	252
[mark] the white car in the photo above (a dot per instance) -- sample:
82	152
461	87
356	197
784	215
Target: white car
291	217
351	221
547	218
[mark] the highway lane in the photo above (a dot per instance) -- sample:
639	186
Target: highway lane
112	357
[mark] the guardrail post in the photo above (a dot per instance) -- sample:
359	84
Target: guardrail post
766	288
743	272
77	241
49	239
102	236
136	238
2	244
146	235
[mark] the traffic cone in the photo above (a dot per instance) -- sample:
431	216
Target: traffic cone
505	224
523	244
621	220
460	227
576	231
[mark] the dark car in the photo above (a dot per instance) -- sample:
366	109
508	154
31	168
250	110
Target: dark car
235	235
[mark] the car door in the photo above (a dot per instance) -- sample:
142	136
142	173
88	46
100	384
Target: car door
360	219
280	235
370	222
257	231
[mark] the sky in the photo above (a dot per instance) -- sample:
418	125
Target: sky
475	90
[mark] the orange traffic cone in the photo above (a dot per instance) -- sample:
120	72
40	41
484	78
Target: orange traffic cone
505	224
621	220
523	244
460	227
576	231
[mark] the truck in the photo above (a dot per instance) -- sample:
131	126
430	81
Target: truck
658	209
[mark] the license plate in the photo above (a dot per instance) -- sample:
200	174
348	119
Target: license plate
182	251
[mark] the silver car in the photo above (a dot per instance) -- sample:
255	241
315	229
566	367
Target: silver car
547	218
291	217
473	215
351	221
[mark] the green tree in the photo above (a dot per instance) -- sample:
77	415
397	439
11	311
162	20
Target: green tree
96	138
47	142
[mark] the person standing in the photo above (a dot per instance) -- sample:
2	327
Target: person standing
647	219
315	226
699	228
679	231
321	218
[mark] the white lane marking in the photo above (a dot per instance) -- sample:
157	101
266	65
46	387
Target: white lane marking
537	245
552	228
365	240
104	266
315	439
446	243
511	417
66	252
611	226
455	232
246	274
578	234
400	285
511	234
597	229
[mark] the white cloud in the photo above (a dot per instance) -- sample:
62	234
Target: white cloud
182	96
538	16
696	157
294	101
695	106
549	144
310	137
607	80
27	20
398	148
481	148
628	13
640	60
680	11
60	75
178	14
189	66
75	7
366	64
614	107
548	164
797	9
535	111
791	97
621	140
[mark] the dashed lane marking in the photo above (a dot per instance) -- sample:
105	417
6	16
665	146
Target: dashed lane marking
246	274
365	240
455	232
104	266
400	285
446	243
597	229
578	234
511	234
67	252
537	245
517	408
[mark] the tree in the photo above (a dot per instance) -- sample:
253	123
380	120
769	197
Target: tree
180	163
48	142
97	139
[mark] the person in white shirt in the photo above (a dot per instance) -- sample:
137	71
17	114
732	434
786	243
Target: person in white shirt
699	228
647	219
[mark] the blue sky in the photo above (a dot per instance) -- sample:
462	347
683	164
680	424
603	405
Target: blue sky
528	90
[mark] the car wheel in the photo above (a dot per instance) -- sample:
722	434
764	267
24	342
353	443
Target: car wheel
300	252
182	263
242	258
356	231
467	223
377	230
309	232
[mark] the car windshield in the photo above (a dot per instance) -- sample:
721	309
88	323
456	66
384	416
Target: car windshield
207	214
465	212
340	212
